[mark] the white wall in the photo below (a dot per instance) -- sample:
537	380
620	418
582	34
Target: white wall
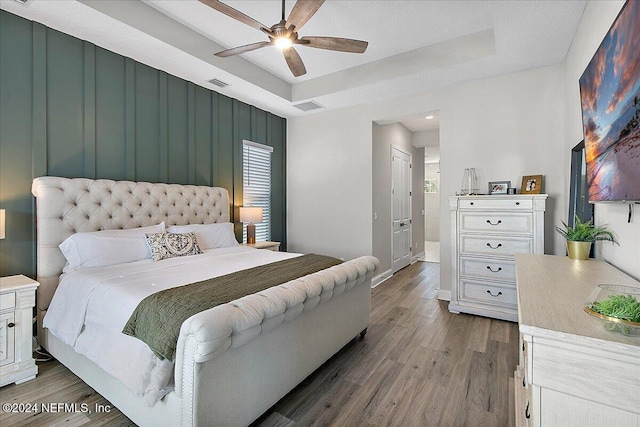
425	138
596	20
329	184
506	127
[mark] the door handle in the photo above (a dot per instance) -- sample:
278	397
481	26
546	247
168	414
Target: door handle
402	224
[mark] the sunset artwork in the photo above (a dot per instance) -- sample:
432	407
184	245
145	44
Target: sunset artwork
610	97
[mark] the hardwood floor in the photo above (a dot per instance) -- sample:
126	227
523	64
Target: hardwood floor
419	365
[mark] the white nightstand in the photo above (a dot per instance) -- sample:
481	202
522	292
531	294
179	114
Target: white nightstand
17	299
272	246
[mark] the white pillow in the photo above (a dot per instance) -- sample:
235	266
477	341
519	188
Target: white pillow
209	236
108	247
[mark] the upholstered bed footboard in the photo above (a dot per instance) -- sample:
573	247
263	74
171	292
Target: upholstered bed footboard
229	376
235	324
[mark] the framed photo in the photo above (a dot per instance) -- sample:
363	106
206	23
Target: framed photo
499	187
531	184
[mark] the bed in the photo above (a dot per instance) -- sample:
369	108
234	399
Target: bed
232	362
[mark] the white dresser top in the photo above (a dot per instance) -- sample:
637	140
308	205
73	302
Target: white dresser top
552	291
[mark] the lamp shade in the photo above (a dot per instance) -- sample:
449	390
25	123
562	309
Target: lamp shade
250	214
1	223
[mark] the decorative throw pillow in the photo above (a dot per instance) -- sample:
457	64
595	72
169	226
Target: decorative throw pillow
169	245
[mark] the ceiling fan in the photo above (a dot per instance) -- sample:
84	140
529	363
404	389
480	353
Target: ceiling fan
284	34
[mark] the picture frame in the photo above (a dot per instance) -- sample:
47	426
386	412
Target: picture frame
499	187
531	184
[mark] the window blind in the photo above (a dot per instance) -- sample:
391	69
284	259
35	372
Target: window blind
256	177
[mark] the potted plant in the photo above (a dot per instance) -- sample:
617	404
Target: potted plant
582	235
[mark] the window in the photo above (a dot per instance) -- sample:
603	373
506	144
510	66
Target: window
256	184
430	186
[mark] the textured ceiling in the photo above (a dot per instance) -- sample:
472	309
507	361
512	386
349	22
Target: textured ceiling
414	46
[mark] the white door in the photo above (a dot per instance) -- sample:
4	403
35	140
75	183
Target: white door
401	208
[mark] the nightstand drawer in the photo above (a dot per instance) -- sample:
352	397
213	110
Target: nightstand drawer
521	223
7	301
488	268
491	293
495	245
7	338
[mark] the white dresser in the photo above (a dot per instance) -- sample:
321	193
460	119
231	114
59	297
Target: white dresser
17	299
572	372
486	233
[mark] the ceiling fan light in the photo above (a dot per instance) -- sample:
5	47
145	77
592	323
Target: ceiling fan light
283	43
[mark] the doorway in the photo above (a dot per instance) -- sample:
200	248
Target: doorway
400	208
432	204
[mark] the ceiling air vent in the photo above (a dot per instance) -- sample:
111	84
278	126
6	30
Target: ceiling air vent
308	106
218	83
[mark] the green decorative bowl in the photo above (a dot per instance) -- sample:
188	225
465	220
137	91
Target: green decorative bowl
615	306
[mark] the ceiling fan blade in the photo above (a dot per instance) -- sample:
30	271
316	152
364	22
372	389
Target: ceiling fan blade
233	13
294	62
302	11
242	49
334	43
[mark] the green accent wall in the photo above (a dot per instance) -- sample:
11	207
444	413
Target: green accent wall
70	108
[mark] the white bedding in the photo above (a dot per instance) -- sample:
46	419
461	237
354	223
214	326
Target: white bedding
92	305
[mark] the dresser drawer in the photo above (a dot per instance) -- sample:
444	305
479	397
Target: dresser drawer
496	203
488	268
7	300
497	223
488	293
495	245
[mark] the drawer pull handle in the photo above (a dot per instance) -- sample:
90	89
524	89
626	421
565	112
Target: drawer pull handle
471	203
523	383
497	223
527	415
494	247
517	203
495	271
11	325
497	295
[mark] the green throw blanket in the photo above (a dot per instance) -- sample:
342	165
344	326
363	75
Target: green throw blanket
158	318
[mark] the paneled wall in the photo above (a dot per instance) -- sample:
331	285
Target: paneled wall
70	108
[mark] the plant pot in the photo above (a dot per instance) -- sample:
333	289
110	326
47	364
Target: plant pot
578	250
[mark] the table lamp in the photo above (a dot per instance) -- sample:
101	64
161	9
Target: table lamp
251	214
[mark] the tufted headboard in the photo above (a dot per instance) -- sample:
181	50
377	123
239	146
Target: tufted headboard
65	206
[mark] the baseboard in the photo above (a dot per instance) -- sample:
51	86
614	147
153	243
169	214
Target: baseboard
444	295
381	278
417	257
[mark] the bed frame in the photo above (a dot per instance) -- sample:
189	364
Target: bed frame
262	346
